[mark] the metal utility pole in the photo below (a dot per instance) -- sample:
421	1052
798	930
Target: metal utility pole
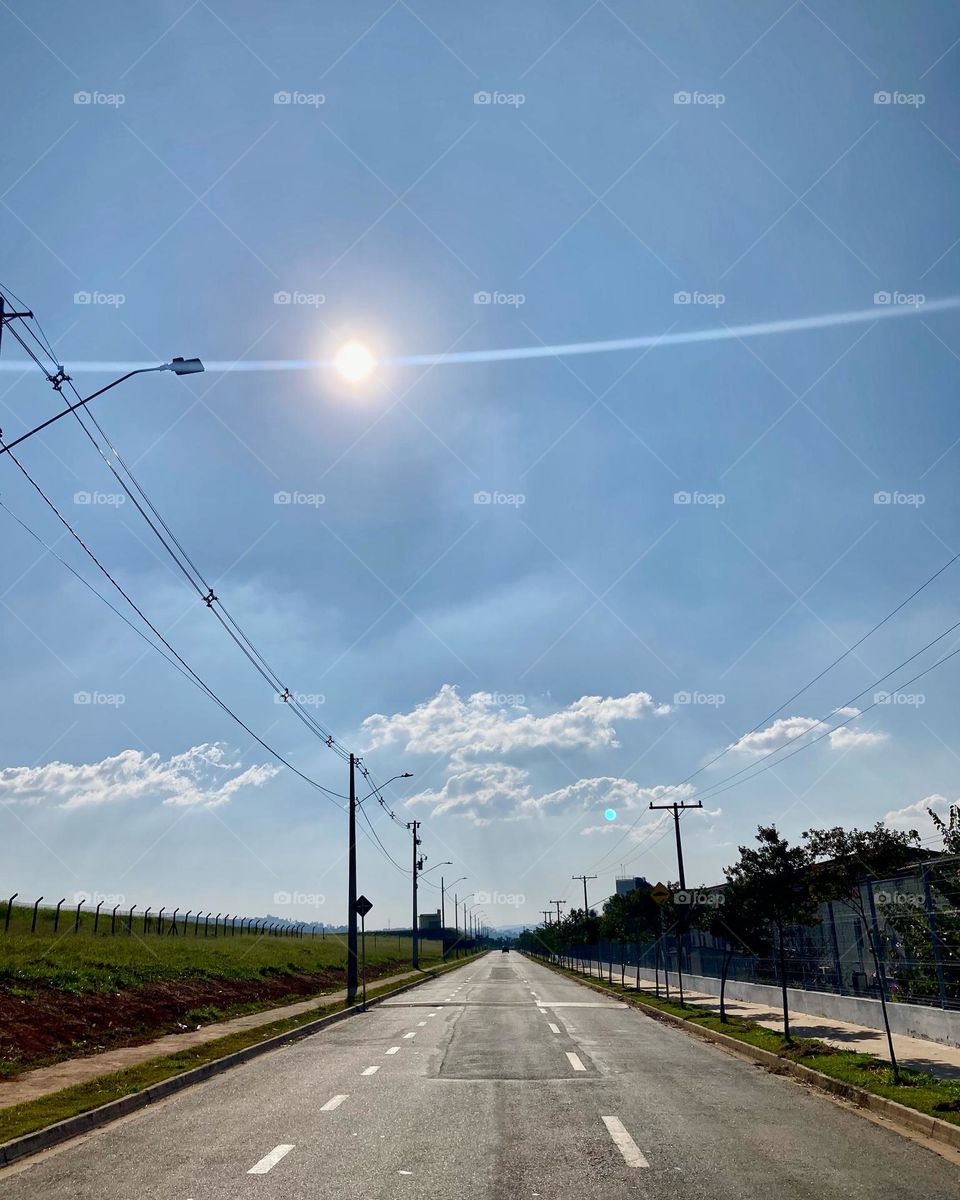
417	867
677	809
546	915
352	891
586	907
558	903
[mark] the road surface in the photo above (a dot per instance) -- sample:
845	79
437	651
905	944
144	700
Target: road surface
498	1081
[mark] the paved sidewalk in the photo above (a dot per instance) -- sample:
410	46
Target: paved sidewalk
915	1053
43	1081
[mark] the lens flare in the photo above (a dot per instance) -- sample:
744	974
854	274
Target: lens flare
354	362
611	814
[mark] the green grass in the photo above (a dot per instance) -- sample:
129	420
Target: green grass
916	1089
21	1119
79	962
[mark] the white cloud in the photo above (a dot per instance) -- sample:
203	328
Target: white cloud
482	725
203	775
915	816
790	730
622	795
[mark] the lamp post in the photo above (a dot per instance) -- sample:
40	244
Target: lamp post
179	366
443	912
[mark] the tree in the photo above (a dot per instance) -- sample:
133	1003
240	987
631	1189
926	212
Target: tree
734	917
844	860
632	917
775	879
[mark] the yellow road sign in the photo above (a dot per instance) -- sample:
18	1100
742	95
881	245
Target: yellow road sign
660	893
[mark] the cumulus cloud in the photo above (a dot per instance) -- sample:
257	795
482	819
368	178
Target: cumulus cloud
916	816
789	730
622	795
482	725
206	775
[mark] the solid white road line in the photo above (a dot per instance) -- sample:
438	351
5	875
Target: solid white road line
269	1160
370	1071
553	1028
393	1050
632	1155
332	1103
575	1061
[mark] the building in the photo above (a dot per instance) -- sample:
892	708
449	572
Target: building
430	920
632	883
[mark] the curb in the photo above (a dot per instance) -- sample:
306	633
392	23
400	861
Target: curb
896	1113
62	1131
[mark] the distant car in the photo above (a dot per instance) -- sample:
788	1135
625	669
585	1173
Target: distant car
504	949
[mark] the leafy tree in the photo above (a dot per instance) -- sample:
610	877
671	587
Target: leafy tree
774	879
734	917
630	918
844	859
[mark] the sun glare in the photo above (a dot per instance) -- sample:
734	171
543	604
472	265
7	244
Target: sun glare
354	362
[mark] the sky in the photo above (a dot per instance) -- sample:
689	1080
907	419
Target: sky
555	589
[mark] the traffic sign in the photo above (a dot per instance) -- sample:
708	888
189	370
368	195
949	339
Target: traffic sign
362	906
660	893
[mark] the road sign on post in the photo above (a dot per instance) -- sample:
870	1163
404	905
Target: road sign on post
660	893
362	907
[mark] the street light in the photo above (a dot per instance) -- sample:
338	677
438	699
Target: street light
179	366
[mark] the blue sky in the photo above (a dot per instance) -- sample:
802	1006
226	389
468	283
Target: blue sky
585	167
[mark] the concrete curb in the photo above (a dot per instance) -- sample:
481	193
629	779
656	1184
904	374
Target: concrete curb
897	1114
62	1131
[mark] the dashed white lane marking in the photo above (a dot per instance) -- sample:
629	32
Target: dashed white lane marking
575	1061
370	1071
632	1155
420	1024
410	1034
269	1160
541	1010
332	1103
553	1028
393	1050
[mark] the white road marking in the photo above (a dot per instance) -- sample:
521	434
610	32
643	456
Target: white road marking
575	1061
332	1103
541	1010
370	1071
553	1028
269	1160
412	1033
393	1049
632	1155
420	1024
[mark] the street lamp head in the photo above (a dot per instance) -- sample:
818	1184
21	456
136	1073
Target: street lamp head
407	775
185	366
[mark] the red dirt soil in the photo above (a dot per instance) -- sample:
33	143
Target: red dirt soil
56	1025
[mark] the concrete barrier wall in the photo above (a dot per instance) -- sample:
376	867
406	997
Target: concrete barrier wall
911	1020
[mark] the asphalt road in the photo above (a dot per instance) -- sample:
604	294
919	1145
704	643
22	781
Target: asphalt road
498	1081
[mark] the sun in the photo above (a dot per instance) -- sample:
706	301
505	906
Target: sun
354	362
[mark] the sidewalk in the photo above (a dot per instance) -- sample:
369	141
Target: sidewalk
43	1081
915	1053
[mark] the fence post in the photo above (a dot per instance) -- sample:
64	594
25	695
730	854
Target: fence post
836	949
56	919
6	920
130	921
146	918
33	926
96	917
113	920
76	922
160	921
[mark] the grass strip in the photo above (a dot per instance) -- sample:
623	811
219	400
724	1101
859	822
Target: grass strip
21	1119
917	1090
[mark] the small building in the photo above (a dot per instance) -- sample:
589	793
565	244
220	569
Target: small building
632	883
430	920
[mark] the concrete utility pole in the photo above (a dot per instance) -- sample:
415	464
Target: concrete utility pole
417	866
558	903
352	890
586	907
677	809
